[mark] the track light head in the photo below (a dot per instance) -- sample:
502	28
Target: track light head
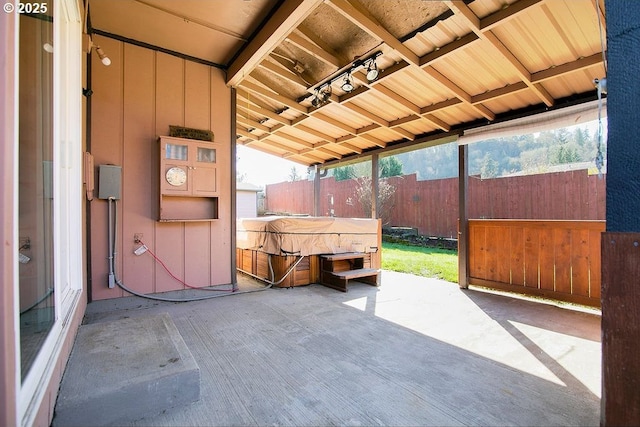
103	56
347	86
372	71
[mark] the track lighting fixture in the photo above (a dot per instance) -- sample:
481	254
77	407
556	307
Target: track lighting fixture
372	71
347	86
88	45
103	57
321	96
316	99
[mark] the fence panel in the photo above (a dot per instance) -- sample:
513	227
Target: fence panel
554	259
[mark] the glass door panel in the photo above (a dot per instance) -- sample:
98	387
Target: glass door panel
35	187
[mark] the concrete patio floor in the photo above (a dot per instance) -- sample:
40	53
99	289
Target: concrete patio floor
414	351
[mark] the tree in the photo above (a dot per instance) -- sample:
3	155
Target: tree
294	175
489	167
363	193
390	166
344	172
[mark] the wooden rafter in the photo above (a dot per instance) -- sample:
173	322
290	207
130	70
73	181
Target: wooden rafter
286	17
460	8
356	13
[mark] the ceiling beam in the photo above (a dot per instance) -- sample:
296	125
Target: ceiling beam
311	35
283	100
460	8
314	50
567	68
356	13
284	72
289	14
503	15
252	107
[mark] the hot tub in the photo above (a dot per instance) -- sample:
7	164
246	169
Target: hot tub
269	247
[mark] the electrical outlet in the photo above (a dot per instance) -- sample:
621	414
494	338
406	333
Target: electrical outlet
137	237
25	243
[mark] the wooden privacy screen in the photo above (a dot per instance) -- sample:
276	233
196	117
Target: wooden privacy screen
554	259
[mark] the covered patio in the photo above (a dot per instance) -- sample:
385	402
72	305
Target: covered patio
414	351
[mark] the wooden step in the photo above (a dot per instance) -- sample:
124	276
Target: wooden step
354	274
346	255
340	279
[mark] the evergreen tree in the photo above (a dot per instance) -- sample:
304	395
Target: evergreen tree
390	166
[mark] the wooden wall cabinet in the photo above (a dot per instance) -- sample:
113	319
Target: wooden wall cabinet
188	180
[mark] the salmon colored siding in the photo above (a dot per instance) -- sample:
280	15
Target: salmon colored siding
133	103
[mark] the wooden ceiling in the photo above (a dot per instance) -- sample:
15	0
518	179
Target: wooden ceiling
443	66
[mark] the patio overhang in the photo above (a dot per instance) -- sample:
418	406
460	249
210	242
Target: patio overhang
436	67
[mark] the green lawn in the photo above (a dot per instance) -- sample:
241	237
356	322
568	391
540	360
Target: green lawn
421	261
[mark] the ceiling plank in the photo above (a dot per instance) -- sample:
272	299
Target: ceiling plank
316	133
366	113
449	48
295	140
400	100
357	14
288	15
335	123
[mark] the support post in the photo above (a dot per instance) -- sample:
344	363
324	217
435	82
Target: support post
316	192
463	217
232	168
375	187
620	403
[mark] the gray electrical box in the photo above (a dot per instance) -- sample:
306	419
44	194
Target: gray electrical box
109	181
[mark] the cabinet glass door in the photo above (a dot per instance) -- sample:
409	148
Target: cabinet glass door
206	155
176	152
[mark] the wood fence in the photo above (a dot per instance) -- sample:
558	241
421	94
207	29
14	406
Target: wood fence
553	259
432	206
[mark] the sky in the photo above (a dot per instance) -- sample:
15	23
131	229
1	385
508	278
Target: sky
260	168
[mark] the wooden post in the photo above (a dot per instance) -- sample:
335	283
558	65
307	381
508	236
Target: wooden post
620	401
463	217
375	186
232	171
316	192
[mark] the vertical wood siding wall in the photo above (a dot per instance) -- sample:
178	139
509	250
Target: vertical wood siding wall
432	206
134	101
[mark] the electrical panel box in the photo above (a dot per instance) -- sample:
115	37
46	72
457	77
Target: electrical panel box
109	182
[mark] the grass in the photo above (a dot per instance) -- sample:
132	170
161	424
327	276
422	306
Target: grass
421	261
